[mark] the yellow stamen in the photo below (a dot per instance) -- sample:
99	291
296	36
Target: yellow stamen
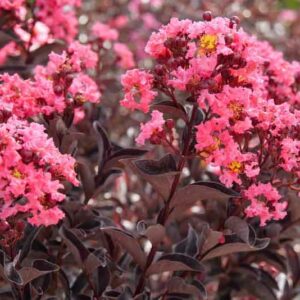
237	109
208	44
17	174
236	167
209	149
80	98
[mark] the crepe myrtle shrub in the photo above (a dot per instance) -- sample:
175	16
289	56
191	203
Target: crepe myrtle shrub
205	206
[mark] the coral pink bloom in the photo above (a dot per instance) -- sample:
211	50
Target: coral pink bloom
9	49
290	150
84	89
32	169
137	86
60	17
11	4
191	77
82	56
149	129
156	44
264	203
125	55
104	32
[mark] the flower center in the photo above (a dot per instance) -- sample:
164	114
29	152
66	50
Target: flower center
236	109
209	149
17	174
208	44
79	98
236	167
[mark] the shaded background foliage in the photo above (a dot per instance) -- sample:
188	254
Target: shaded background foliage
99	251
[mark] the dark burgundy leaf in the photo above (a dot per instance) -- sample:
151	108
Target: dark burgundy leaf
64	281
189	195
86	178
12	274
157	167
92	262
128	243
212	239
252	284
165	172
200	116
100	280
27	243
82	297
155	233
271	257
189	245
230	248
77	248
39	268
293	262
174	110
79	283
178	285
239	227
104	145
175	262
114	160
200	287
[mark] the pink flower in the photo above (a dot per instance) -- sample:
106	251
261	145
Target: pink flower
84	89
151	128
137	87
265	203
9	49
59	16
32	169
290	150
44	94
79	115
104	32
191	77
125	55
11	4
82	56
155	46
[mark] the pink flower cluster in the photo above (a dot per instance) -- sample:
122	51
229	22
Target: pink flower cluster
31	171
62	82
249	95
32	168
137	86
11	4
102	33
38	23
151	129
59	16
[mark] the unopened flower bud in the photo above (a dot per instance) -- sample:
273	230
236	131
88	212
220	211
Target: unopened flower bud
234	21
170	124
58	89
27	155
228	39
207	16
159	70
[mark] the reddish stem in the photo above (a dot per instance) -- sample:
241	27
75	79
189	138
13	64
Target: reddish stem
166	210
